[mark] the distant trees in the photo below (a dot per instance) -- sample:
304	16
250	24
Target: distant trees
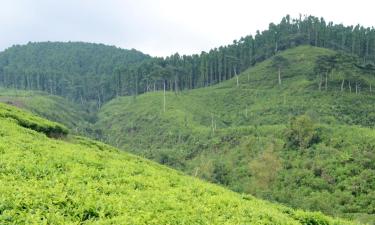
279	62
91	72
344	71
324	66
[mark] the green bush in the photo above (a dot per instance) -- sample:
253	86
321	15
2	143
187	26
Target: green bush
301	133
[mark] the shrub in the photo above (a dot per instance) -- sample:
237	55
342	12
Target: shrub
301	133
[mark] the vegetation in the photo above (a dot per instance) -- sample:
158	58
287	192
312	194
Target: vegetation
26	120
285	115
97	73
313	142
58	109
81	72
76	181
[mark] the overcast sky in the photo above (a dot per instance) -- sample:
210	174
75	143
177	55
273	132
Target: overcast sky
162	27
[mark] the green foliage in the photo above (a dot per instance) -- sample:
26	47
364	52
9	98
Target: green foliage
82	72
27	120
94	74
79	181
301	133
222	133
51	107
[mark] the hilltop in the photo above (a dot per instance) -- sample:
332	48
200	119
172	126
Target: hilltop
78	71
64	179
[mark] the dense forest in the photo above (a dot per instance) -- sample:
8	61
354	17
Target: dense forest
97	73
76	70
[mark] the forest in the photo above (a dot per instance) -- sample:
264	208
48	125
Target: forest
92	73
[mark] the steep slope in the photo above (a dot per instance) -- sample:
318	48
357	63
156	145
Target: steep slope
48	106
74	180
242	135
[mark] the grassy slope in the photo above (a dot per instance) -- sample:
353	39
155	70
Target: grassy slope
75	180
252	118
48	106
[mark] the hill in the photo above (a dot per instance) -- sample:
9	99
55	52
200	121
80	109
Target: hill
63	179
95	73
301	139
76	70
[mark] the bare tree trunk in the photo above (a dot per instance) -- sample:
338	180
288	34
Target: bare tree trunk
276	47
99	101
350	87
164	97
342	85
235	73
279	76
356	88
326	81
320	82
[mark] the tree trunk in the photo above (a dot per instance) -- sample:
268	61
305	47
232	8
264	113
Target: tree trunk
326	81
320	82
99	101
279	76
356	88
350	87
235	73
164	97
276	47
342	85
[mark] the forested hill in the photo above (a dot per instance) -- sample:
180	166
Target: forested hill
75	69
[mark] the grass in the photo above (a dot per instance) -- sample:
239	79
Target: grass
221	133
79	181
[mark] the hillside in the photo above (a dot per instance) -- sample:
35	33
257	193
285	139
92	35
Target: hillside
73	180
300	142
54	108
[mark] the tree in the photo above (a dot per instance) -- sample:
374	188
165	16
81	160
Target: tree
279	62
324	65
301	133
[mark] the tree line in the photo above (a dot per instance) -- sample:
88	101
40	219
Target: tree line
91	72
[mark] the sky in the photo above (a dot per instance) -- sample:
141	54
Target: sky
162	27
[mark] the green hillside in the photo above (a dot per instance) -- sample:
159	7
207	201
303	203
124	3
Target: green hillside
54	108
305	142
73	180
